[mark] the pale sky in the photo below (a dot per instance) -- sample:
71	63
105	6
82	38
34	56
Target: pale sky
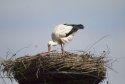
29	23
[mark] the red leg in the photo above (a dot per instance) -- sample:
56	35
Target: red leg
62	48
49	48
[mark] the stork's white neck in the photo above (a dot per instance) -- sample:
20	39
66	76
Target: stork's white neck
52	43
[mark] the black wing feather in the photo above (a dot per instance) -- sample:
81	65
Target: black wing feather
74	29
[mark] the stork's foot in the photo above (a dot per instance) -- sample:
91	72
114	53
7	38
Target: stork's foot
63	51
51	51
66	52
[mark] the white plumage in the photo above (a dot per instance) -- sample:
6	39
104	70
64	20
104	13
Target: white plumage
63	34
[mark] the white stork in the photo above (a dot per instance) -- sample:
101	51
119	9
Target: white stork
63	34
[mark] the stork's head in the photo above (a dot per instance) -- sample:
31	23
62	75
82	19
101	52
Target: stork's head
50	44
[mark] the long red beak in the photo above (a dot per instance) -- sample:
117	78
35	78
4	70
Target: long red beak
49	48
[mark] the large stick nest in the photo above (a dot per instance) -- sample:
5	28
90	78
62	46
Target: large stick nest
56	66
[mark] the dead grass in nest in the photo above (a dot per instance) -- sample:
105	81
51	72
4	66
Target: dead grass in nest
33	67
